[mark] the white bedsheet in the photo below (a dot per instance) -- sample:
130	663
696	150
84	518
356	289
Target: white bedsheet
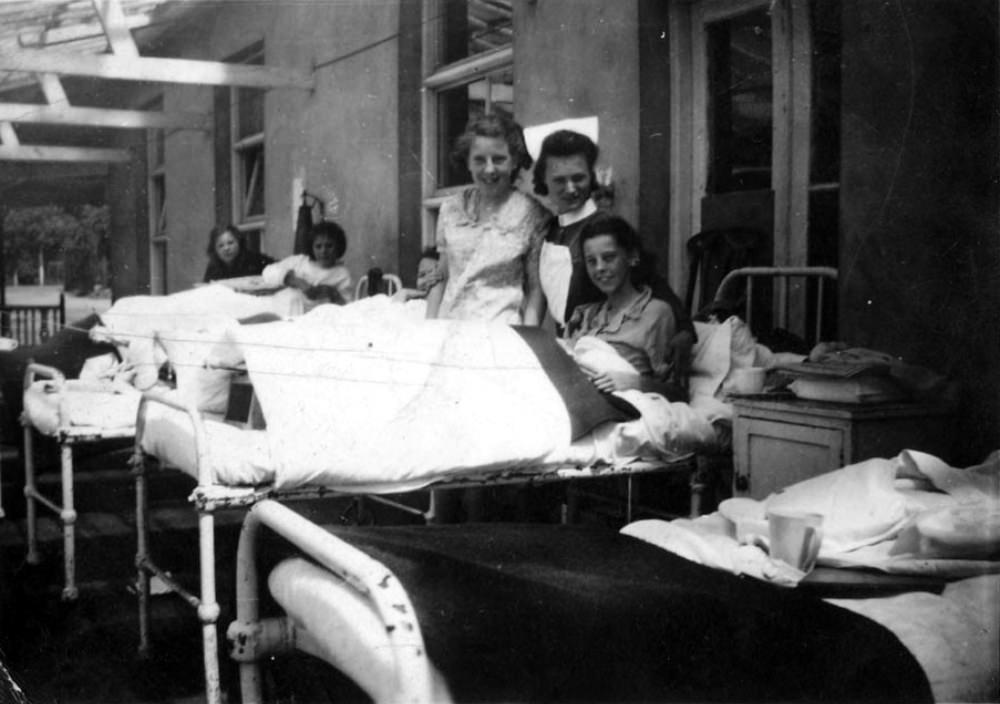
369	397
954	635
911	514
236	457
360	400
51	406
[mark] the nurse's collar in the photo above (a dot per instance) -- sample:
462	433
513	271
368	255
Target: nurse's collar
586	210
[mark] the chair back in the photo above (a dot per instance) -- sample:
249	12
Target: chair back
712	255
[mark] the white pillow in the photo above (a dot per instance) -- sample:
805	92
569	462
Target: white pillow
207	388
145	357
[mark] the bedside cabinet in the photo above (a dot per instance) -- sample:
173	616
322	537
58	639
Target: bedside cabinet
781	442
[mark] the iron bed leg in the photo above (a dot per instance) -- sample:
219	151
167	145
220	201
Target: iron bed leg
247	605
68	517
2	514
142	555
33	557
208	609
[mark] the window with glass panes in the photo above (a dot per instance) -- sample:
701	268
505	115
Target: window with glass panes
246	117
468	71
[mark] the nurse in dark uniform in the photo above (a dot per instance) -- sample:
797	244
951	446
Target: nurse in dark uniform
564	174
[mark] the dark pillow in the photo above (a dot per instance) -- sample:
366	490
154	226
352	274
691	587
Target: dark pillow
587	406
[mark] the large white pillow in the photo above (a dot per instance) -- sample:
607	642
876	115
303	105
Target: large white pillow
190	349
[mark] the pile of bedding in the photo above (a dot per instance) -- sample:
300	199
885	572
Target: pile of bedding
910	514
54	406
723	349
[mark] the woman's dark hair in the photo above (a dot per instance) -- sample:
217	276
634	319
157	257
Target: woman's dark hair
430	253
644	270
563	143
617	227
496	125
216	232
328	228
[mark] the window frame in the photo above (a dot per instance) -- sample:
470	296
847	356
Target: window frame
439	77
247	151
792	66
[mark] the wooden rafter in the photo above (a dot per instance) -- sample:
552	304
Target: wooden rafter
8	136
115	27
157	70
26	152
53	89
101	117
41	38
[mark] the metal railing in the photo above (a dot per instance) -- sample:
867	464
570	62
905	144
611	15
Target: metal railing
788	293
32	324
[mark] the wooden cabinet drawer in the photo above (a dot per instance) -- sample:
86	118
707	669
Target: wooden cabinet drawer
770	455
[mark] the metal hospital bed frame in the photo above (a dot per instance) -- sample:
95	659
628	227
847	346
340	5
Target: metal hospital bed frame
210	496
67	436
791	286
412	677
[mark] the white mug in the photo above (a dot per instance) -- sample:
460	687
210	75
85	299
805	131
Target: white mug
795	537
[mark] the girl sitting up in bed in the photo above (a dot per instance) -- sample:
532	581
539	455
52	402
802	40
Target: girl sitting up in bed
318	277
629	322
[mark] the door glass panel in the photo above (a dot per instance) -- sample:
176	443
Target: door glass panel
740	82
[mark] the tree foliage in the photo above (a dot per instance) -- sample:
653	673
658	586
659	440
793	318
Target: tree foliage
48	233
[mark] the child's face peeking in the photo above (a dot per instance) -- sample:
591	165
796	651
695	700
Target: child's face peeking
324	251
608	264
227	247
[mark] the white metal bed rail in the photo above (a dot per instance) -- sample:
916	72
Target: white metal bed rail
209	497
413	681
65	509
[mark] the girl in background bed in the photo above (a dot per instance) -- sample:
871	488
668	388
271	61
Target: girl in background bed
628	320
490	235
318	277
229	257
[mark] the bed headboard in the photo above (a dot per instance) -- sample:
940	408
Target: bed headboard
801	300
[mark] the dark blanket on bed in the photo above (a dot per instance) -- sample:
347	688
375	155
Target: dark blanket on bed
516	612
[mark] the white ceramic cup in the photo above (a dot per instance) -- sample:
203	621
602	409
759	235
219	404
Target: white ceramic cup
795	537
748	380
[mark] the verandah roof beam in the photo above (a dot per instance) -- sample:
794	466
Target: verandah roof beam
101	117
157	70
27	152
